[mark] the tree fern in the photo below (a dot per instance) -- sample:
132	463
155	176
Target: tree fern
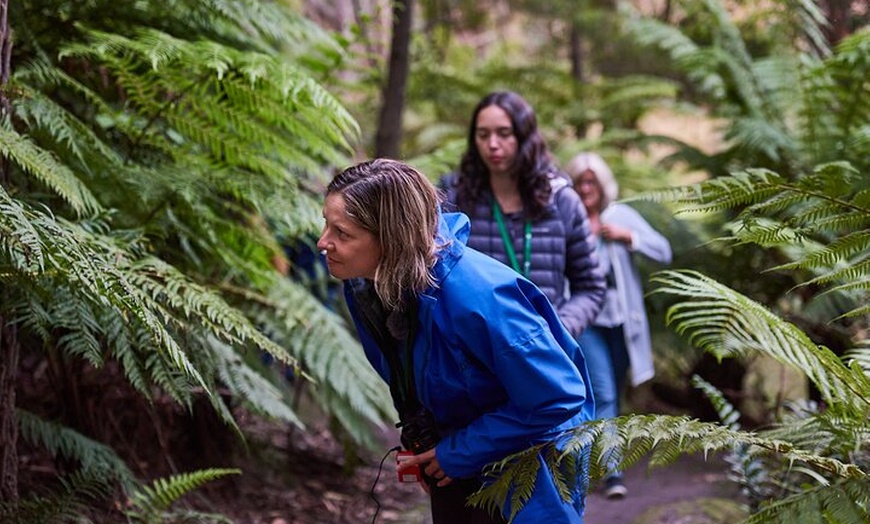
156	64
844	501
255	390
820	220
787	107
149	150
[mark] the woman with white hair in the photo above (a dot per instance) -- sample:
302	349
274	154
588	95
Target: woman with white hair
619	337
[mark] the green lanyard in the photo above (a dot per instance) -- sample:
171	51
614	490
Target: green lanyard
509	245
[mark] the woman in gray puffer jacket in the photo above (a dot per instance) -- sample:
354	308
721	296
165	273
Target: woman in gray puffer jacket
523	210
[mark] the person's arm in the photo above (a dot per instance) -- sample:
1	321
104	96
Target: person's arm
585	282
623	223
512	335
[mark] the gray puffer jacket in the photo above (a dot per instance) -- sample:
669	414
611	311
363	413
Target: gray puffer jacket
563	252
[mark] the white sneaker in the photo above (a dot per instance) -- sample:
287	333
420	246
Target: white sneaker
614	488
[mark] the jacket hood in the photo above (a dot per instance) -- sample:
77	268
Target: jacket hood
453	231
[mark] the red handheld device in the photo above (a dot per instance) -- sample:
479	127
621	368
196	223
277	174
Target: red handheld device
411	474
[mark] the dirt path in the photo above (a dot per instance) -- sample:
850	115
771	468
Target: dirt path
300	478
690	491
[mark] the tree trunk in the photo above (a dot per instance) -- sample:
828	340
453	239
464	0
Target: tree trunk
576	53
389	136
838	20
9	351
9	348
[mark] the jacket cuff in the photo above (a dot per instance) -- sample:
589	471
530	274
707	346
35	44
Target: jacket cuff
635	239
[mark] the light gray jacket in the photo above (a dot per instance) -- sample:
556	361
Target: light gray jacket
651	244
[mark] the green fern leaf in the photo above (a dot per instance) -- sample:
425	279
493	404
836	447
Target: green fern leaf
45	168
151	502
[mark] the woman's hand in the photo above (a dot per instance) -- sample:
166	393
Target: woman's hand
429	464
616	233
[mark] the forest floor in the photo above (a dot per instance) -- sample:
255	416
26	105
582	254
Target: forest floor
291	477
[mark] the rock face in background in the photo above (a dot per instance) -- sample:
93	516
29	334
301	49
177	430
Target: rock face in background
768	385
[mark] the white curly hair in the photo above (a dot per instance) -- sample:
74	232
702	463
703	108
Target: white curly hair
593	162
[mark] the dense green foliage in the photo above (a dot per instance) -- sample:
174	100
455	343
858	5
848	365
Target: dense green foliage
158	158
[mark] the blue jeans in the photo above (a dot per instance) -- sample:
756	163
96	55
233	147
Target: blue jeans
607	361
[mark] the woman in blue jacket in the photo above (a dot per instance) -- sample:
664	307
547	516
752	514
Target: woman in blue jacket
478	363
619	338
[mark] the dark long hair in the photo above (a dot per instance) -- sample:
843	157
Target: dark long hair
533	164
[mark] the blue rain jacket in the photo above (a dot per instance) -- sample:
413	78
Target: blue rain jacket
495	366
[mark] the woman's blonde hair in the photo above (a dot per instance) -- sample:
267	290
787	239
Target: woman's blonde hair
399	205
593	162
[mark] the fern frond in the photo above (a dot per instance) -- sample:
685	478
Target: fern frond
745	468
20	243
39	112
345	384
844	502
726	323
800	217
860	356
273	22
855	273
38	73
723	193
519	484
663	438
728	415
686	54
181	299
66	503
63	442
842	249
150	502
43	166
81	333
254	389
155	64
93	273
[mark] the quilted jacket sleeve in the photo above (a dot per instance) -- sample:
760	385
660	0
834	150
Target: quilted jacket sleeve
585	282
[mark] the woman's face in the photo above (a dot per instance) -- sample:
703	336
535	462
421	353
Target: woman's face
495	140
351	251
589	190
